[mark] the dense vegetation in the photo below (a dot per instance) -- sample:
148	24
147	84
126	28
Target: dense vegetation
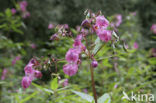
77	51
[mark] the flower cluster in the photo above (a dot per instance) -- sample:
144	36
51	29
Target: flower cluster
153	28
72	56
30	73
23	8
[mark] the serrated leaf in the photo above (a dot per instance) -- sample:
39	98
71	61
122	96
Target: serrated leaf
54	84
104	99
84	96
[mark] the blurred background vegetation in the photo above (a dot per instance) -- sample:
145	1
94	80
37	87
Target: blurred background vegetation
18	35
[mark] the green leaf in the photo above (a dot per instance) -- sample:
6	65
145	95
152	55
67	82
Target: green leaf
8	12
48	90
104	99
29	97
17	30
73	31
84	96
54	84
2	82
98	44
152	61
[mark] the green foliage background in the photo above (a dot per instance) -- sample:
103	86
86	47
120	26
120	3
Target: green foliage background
136	67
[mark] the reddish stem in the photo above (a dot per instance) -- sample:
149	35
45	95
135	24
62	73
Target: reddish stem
93	83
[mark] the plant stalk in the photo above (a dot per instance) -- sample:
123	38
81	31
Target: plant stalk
93	83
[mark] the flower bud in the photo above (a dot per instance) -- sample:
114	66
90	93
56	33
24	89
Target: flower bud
26	81
85	23
94	63
38	74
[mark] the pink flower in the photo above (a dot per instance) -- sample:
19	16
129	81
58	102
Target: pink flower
72	55
135	45
38	74
13	11
126	46
66	26
104	35
85	23
4	74
16	59
29	69
33	46
65	83
50	26
83	31
26	81
102	21
70	69
115	86
54	37
153	28
119	20
23	5
94	63
78	45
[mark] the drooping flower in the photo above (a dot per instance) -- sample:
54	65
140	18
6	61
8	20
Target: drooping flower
26	81
4	74
72	55
29	69
78	44
102	21
104	35
153	28
85	23
65	83
38	74
70	69
94	63
135	45
13	11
